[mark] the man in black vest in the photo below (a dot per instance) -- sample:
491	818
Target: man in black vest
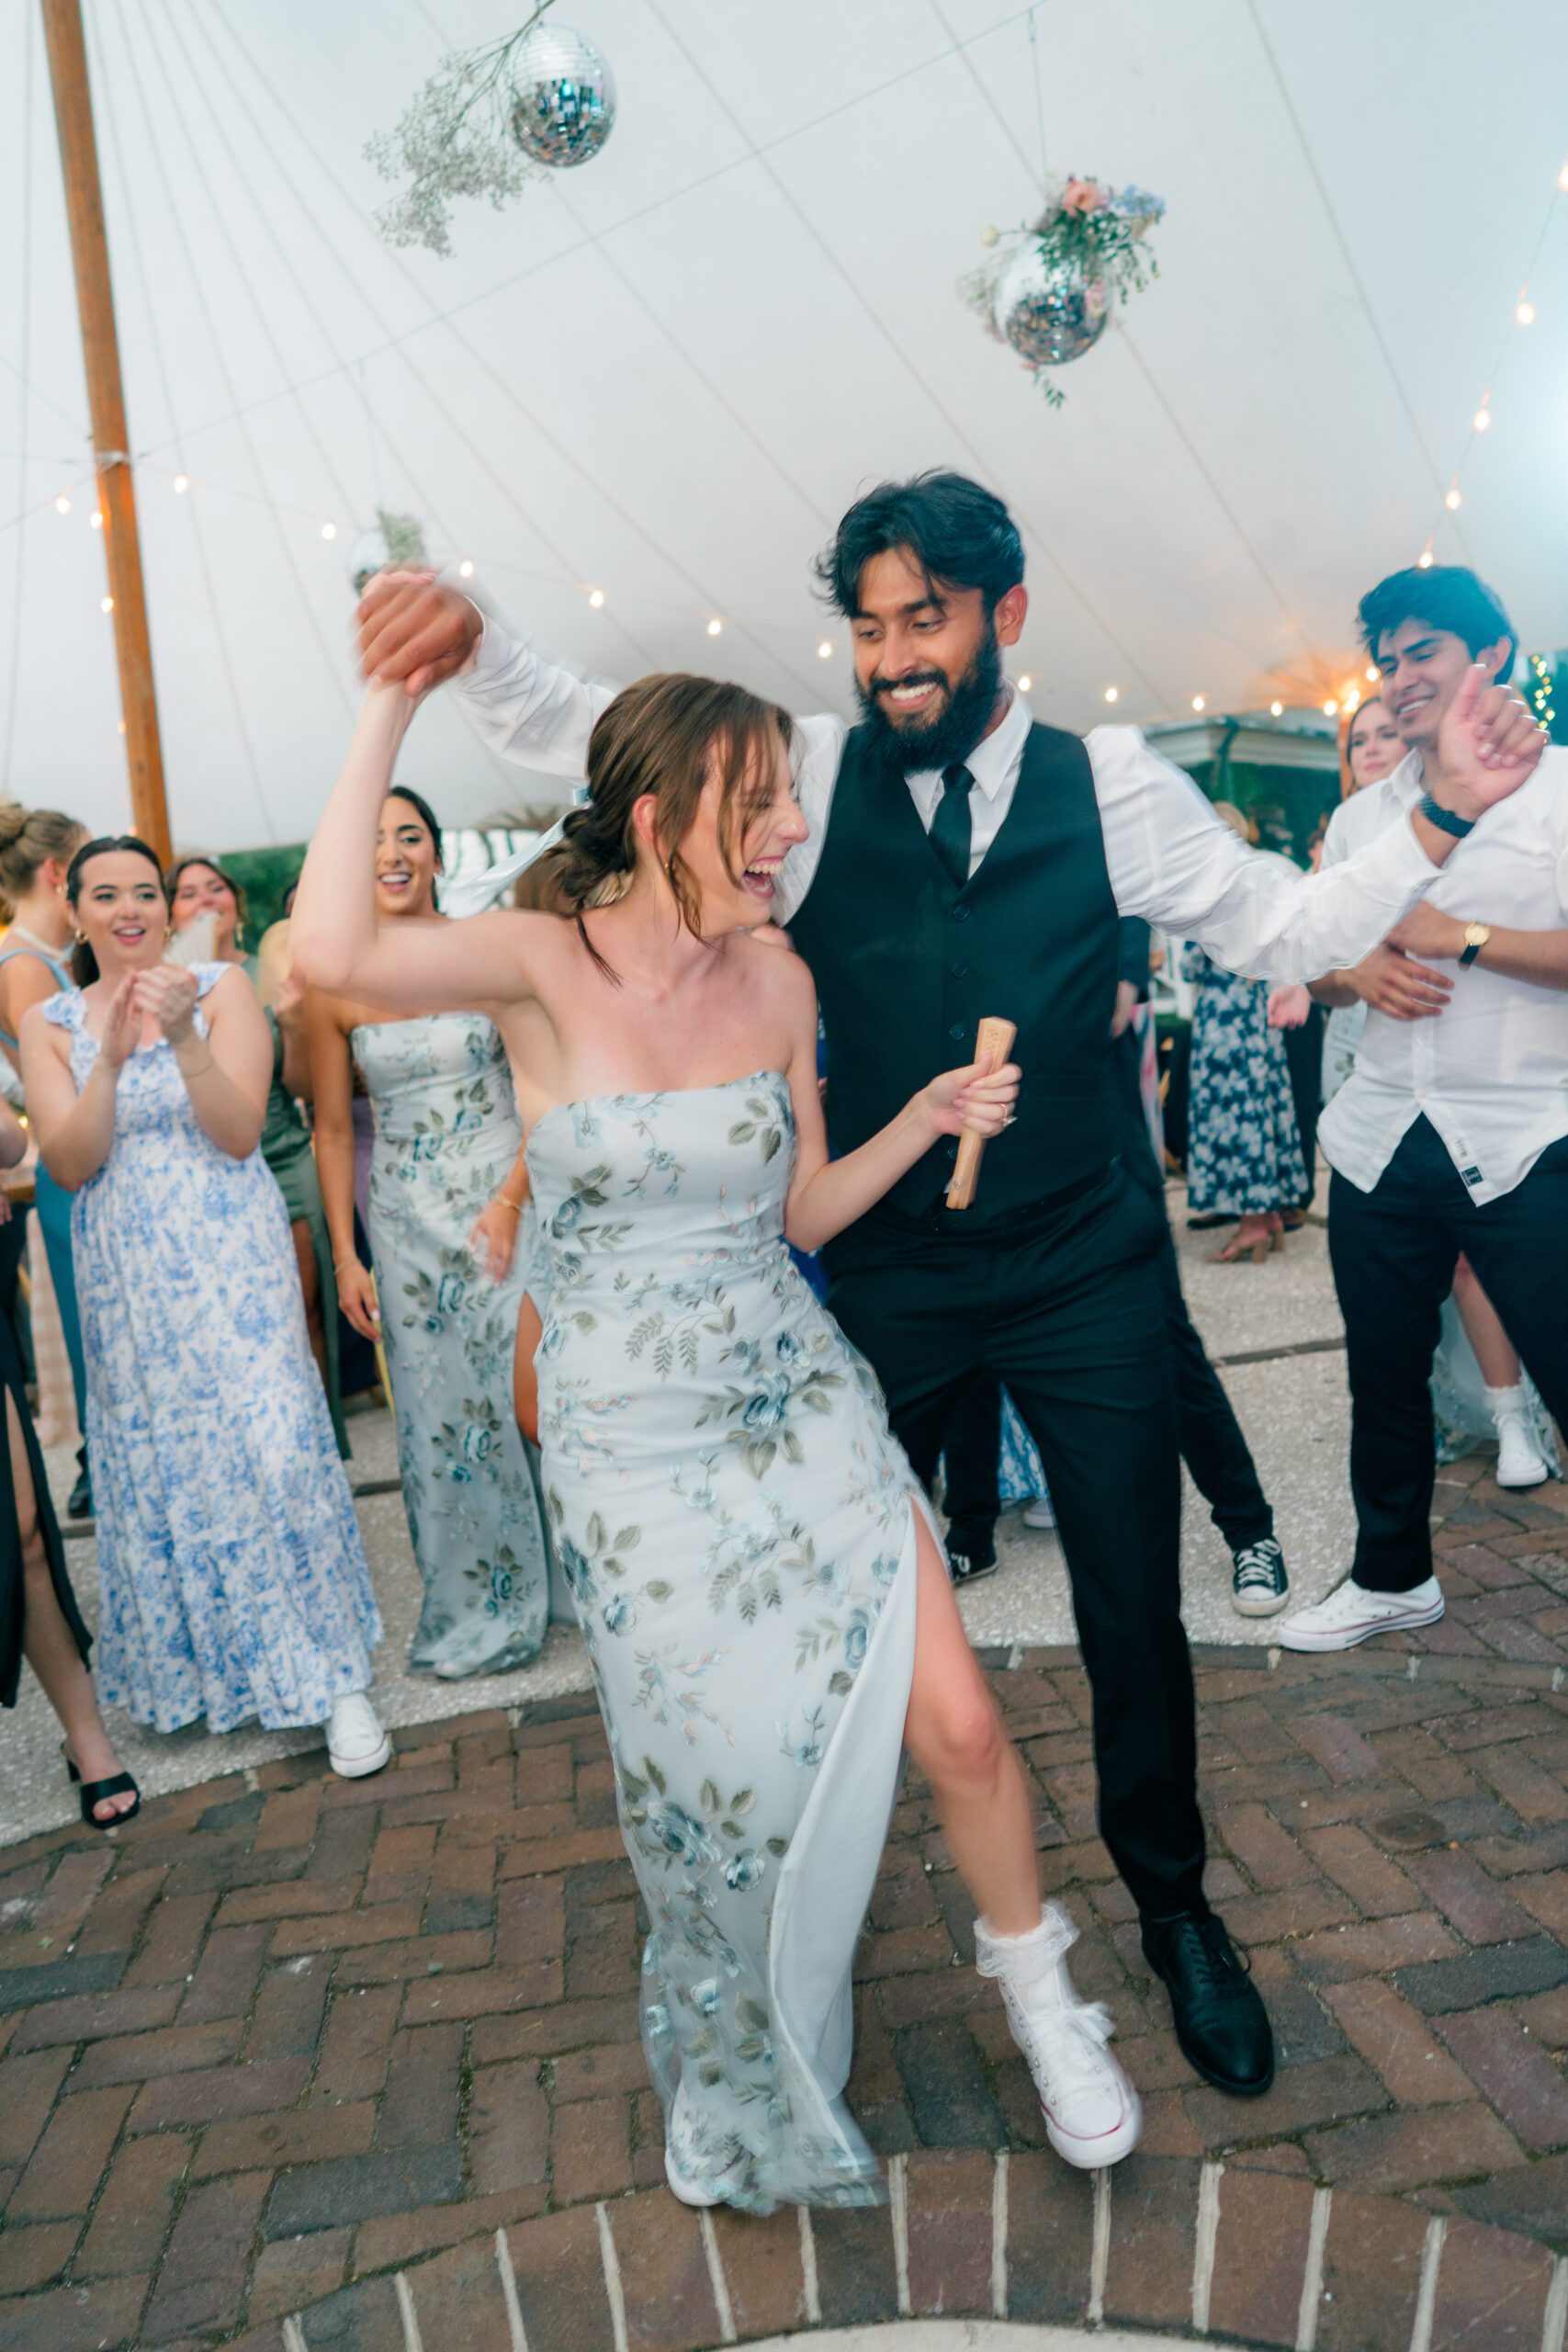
964	861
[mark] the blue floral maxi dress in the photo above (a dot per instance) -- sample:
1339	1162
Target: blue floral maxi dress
1244	1152
737	1526
233	1579
446	1135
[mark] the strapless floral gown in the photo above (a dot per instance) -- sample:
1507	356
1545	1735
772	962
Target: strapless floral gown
737	1526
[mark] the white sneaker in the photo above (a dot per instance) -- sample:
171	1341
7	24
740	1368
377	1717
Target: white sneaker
1039	1513
1092	2115
1352	1614
680	2140
1519	1459
355	1742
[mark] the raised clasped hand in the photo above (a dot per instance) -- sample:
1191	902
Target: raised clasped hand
413	632
977	1101
167	996
1488	744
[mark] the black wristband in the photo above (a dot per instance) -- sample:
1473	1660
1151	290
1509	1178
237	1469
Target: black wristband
1445	820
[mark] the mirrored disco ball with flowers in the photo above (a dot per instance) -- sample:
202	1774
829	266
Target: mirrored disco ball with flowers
1050	310
563	105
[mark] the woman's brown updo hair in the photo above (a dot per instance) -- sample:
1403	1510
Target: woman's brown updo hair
29	836
658	736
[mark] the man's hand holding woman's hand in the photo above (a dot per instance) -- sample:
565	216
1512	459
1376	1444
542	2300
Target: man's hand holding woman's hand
977	1101
415	633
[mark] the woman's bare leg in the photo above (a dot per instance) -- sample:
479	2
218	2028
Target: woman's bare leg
310	1285
954	1734
48	1642
1483	1328
525	1380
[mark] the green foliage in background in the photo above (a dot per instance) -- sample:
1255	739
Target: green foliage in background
265	874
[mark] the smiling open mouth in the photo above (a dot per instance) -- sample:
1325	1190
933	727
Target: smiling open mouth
761	876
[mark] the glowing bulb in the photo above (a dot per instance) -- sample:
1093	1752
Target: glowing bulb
122	726
329	530
181	484
1425	560
1277	709
62	505
96	519
1331	710
1350	698
1482	419
1109	694
825	651
1452	501
715	628
1563	176
1025	683
105	604
1371	674
1526	314
465	570
1197	701
596	597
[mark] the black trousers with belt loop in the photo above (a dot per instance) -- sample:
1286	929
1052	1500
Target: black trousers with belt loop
1063	1304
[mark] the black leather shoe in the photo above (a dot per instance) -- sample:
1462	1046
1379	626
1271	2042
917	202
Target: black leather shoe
1221	2021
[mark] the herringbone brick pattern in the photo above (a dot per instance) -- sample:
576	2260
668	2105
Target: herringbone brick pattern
286	2036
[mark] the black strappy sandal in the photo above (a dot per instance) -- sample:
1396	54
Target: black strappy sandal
95	1792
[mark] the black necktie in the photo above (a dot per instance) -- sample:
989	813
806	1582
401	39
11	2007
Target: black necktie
949	826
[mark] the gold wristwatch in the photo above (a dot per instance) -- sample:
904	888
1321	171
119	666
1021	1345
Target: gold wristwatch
1476	935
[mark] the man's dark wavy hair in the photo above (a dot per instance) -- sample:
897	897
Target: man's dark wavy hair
1444	595
959	534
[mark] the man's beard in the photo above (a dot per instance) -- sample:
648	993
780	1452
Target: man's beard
959	724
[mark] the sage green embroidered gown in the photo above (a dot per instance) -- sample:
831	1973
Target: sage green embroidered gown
446	1135
736	1522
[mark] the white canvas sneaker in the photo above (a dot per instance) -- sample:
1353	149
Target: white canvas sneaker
355	1742
1092	2115
680	2142
1039	1513
1519	1459
1352	1614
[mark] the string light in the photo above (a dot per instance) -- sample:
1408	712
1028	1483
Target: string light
96	519
62	505
121	729
1541	690
1563	177
1482	419
1371	673
329	530
1276	709
181	484
596	597
1025	683
1331	710
1452	501
1425	560
1199	701
465	570
1109	694
715	628
825	651
1526	314
105	604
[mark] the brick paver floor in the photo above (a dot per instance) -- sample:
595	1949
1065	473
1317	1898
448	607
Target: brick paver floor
287	2039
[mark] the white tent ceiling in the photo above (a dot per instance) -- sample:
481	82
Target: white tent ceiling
664	375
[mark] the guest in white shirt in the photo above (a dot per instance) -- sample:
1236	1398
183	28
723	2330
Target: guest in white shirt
1451	1136
963	860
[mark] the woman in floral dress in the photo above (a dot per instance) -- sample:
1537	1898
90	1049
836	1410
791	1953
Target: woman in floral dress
767	1613
453	1239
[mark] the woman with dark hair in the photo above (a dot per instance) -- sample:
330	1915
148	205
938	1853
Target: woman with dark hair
197	886
455	1247
233	1579
36	847
743	1537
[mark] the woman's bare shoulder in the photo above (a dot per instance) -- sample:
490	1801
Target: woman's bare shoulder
771	964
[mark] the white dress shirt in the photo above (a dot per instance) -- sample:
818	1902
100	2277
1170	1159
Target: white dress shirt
1169	858
1490	1071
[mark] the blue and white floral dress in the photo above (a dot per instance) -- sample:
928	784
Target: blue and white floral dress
232	1579
1244	1150
737	1526
447	1136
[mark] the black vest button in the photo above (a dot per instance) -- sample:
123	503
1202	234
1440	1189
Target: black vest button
958	1032
960	971
961	914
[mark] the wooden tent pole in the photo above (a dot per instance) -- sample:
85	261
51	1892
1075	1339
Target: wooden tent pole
105	398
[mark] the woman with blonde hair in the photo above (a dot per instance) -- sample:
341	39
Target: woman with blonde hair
766	1608
36	848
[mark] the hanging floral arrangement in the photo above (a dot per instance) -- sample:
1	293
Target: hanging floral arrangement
1047	290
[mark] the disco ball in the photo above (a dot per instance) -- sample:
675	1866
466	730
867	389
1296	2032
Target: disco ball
1049	310
563	107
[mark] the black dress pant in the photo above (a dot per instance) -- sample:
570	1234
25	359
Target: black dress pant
1394	1251
971	1448
1064	1305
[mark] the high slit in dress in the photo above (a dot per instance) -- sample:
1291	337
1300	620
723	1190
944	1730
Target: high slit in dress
736	1524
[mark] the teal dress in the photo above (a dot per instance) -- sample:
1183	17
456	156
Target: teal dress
446	1135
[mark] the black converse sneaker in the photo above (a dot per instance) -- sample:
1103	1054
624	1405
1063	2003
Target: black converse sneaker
967	1569
1259	1584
